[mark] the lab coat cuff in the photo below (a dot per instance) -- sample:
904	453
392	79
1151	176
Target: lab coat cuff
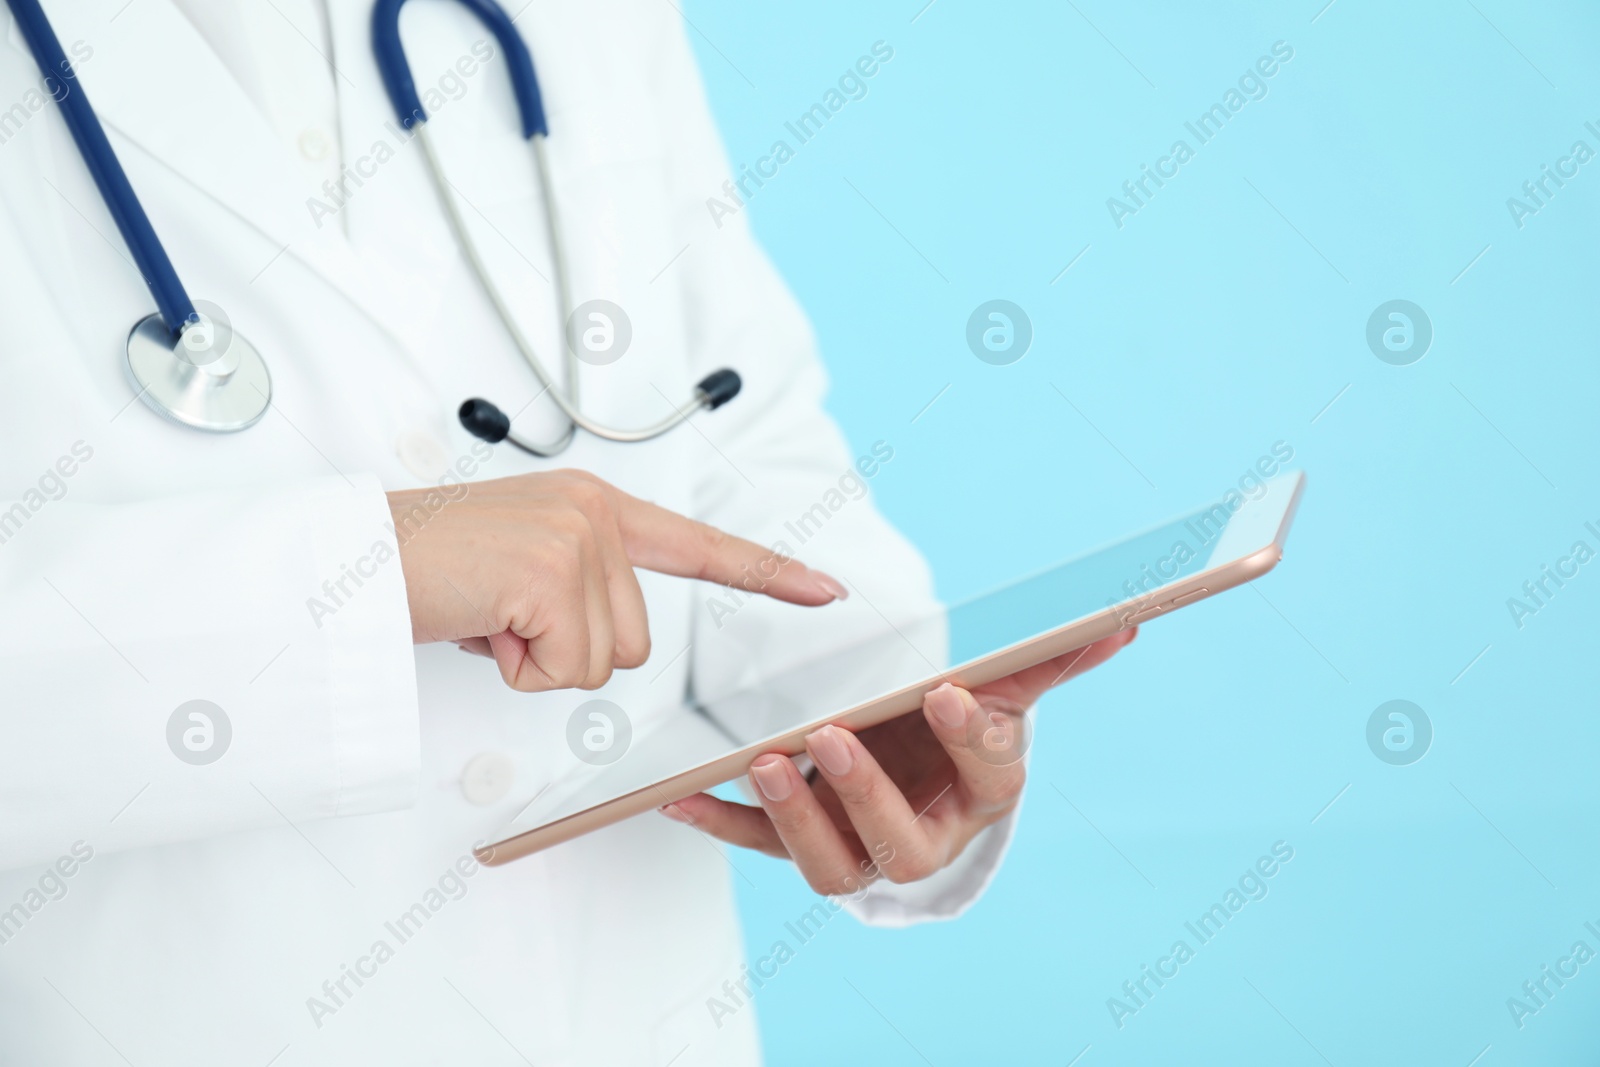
371	660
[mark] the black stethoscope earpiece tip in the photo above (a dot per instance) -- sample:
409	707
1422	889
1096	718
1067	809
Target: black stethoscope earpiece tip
484	421
719	387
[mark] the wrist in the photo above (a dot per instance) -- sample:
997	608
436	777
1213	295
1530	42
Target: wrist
405	508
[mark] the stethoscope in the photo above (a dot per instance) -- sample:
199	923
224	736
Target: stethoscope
197	370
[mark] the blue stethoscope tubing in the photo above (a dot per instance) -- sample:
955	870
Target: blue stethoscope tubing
402	89
126	210
185	375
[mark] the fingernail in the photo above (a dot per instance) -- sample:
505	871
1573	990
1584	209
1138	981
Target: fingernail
946	705
673	812
772	778
829	749
829	585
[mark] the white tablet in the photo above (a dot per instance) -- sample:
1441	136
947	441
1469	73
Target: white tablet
1224	544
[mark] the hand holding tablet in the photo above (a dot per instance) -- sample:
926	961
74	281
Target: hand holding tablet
902	799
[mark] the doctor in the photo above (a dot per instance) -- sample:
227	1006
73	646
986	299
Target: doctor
243	757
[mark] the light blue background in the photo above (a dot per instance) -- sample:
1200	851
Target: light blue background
1223	317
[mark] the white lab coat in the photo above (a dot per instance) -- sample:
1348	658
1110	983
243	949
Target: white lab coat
175	914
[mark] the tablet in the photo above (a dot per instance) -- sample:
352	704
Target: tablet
886	673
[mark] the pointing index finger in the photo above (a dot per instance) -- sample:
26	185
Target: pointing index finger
664	541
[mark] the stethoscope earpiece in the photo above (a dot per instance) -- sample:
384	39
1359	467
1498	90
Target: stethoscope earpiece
719	387
485	421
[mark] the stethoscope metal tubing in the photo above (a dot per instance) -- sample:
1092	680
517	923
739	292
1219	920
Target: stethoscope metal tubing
566	400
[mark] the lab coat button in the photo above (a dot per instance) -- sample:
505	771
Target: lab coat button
314	144
487	778
423	455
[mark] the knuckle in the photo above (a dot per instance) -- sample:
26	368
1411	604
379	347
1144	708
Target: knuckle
570	674
573	525
713	542
633	651
911	866
589	497
585	491
578	474
560	577
550	590
1003	785
859	791
832	883
568	679
792	818
555	558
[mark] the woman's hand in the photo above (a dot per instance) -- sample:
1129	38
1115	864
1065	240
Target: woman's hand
901	799
537	571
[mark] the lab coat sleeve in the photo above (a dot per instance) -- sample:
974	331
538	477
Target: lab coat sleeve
115	616
778	470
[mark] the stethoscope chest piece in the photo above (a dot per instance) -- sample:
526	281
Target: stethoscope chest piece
209	377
